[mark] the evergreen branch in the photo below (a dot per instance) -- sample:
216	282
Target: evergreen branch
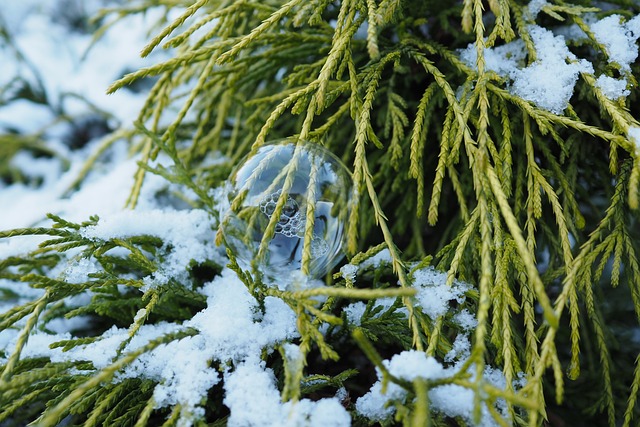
543	118
484	303
181	38
22	339
633	395
550	316
339	47
175	24
52	415
38	231
421	415
278	15
191	57
143	419
514	183
463	240
417	133
396	262
20	403
354	293
443	161
293	374
310	215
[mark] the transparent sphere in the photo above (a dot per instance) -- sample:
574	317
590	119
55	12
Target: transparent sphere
286	199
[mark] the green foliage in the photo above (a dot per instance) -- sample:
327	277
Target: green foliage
537	210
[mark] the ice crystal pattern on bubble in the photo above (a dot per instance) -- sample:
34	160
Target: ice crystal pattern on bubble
305	179
291	221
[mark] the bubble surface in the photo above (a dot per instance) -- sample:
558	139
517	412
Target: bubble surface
280	195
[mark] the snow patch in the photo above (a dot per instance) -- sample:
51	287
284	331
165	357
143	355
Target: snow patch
612	88
535	6
355	311
348	271
634	135
619	39
550	80
232	328
382	257
450	399
254	400
433	294
187	235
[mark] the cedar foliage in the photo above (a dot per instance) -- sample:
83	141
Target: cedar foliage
537	210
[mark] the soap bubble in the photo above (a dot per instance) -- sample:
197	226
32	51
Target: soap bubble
282	184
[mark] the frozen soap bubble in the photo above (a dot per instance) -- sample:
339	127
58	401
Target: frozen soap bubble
292	186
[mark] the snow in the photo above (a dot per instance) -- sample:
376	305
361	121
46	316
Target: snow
36	167
381	258
533	82
461	349
251	394
231	329
410	365
619	39
60	325
450	399
355	311
535	6
18	245
550	80
254	400
182	368
466	320
573	33
502	59
102	194
634	136
68	63
433	295
612	88
189	234
232	323
79	269
12	116
375	404
349	271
